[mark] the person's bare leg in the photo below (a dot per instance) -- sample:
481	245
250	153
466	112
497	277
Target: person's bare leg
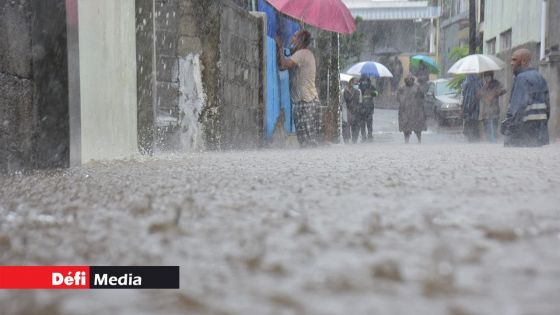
419	136
407	136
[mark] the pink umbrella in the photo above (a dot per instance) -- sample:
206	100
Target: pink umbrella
330	15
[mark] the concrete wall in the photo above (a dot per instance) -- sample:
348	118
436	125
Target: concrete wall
522	16
208	67
107	36
33	85
241	49
553	36
551	68
16	85
551	72
145	75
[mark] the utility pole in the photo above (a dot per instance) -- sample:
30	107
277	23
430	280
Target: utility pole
472	27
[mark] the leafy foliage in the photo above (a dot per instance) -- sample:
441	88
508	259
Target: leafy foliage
456	54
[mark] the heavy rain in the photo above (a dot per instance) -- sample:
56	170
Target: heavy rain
291	157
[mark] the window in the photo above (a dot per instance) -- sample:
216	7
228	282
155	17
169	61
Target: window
505	40
491	46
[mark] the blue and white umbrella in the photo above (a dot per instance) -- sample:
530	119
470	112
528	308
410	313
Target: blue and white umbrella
371	69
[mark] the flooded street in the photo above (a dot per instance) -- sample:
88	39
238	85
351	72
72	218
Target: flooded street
382	228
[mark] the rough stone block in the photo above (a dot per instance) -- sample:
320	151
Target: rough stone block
188	45
168	97
188	26
15	38
166	43
167	69
16	122
167	14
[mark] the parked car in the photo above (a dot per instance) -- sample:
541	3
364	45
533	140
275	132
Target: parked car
443	103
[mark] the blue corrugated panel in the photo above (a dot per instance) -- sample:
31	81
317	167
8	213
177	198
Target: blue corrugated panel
273	88
278	86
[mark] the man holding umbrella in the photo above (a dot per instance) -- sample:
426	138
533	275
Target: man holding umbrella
303	93
489	112
368	93
471	106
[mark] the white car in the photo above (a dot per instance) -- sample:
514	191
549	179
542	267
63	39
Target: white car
443	103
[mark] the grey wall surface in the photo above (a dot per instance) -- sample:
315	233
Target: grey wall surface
144	75
551	72
553	36
16	86
50	82
107	31
207	69
34	128
240	84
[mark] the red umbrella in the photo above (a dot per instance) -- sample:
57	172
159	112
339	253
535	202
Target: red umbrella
330	15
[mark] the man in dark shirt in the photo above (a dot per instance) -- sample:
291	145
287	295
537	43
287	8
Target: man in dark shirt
526	123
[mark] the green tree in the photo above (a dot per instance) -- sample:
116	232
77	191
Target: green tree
456	54
351	46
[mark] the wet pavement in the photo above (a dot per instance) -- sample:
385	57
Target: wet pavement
444	227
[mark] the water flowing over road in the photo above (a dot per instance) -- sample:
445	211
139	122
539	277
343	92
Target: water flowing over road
379	228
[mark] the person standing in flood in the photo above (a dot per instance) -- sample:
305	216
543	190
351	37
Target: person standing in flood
526	123
471	107
411	109
489	106
303	93
368	107
423	75
353	99
397	71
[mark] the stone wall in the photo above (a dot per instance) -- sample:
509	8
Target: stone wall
16	85
551	68
208	63
34	131
145	75
240	85
553	36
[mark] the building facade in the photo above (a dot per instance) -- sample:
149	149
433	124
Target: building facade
513	23
454	29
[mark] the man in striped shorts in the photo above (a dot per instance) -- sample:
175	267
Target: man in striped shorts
306	107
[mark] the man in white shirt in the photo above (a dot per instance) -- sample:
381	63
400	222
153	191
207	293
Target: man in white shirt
303	93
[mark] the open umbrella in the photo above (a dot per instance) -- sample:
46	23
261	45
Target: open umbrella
330	15
371	69
345	77
476	64
429	62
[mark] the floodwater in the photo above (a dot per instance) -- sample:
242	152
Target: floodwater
383	228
